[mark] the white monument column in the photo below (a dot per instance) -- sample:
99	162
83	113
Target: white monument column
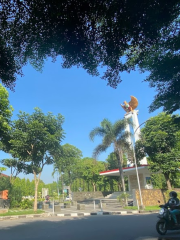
136	127
136	130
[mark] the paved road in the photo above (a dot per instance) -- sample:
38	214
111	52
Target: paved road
127	227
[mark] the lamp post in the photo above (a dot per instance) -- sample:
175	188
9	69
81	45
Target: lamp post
135	162
58	184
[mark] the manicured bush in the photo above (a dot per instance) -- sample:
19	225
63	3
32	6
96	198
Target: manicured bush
26	204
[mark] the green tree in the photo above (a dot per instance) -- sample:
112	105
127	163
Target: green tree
160	140
2	169
112	161
15	166
67	162
34	140
90	169
29	188
5	118
53	187
5	183
85	33
113	134
162	61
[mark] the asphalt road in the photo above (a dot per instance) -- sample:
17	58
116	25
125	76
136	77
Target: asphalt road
121	227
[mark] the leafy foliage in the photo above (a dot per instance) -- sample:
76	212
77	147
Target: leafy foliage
160	140
34	140
113	134
112	161
5	183
85	33
67	162
122	198
15	166
90	169
26	204
5	118
2	169
162	61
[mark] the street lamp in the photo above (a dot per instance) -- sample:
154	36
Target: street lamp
135	162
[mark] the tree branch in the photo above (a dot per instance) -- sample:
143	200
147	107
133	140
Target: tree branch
21	3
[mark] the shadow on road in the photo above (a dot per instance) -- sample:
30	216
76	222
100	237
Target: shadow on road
127	227
159	238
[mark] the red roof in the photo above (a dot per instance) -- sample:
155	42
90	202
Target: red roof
3	175
116	170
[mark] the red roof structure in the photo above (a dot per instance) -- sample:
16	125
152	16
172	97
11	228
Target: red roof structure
3	175
126	170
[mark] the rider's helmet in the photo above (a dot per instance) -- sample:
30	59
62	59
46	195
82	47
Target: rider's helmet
173	194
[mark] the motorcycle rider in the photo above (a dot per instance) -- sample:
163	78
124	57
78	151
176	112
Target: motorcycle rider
174	205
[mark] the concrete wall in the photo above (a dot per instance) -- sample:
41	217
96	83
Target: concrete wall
150	197
4	203
81	196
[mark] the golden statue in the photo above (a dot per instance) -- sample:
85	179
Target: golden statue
129	107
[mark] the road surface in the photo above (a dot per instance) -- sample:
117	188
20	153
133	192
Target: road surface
125	227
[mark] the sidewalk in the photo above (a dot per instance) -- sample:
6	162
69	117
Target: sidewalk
89	210
73	212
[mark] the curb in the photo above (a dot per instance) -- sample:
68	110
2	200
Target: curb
73	214
23	216
101	213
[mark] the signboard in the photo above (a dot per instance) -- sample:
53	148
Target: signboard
45	192
4	194
66	189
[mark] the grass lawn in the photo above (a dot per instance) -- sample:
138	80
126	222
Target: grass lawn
147	208
11	213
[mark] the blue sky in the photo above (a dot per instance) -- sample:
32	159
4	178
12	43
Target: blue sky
83	100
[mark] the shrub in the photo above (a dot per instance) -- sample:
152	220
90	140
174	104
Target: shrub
14	204
26	203
123	198
15	196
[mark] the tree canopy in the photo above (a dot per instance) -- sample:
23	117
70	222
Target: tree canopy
90	169
85	33
6	111
113	134
34	140
15	165
2	169
162	60
66	162
160	140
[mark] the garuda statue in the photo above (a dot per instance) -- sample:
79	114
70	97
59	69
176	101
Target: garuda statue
129	107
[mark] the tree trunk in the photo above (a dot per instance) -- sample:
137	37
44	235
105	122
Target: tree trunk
62	183
11	176
168	181
120	163
121	170
94	187
69	182
36	182
119	185
35	198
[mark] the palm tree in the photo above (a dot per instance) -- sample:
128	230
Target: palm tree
113	134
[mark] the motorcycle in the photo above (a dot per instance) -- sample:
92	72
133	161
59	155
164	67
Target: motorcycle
165	221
